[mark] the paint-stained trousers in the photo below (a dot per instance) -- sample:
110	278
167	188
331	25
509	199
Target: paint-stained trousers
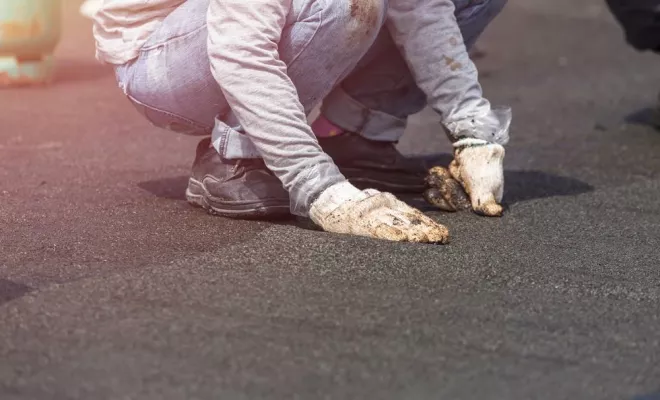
367	89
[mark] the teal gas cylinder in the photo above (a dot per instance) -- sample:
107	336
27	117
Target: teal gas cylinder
29	33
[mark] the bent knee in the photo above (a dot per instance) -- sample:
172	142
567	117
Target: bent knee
367	12
360	19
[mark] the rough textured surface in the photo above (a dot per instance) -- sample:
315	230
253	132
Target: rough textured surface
111	286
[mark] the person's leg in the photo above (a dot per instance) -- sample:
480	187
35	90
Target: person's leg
373	103
172	85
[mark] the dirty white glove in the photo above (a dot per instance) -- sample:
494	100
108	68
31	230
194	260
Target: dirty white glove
478	166
343	208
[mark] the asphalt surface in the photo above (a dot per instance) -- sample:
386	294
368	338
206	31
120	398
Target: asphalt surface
112	287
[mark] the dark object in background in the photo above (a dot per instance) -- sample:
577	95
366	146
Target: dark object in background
640	20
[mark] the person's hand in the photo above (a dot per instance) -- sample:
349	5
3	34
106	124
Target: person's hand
342	208
479	169
445	192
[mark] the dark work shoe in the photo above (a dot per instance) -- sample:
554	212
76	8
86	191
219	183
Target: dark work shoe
372	164
235	188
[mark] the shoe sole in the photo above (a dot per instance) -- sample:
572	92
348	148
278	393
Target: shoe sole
198	196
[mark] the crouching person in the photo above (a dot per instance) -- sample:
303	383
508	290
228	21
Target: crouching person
245	74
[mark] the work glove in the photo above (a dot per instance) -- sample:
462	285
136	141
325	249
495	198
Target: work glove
480	170
343	208
477	166
475	180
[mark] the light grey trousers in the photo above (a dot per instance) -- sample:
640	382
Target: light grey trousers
367	89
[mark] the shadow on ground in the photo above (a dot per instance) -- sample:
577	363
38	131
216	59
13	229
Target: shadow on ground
648	117
520	186
526	185
68	71
11	290
653	396
173	188
530	185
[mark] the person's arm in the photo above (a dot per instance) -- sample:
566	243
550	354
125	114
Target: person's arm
428	35
243	50
243	38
